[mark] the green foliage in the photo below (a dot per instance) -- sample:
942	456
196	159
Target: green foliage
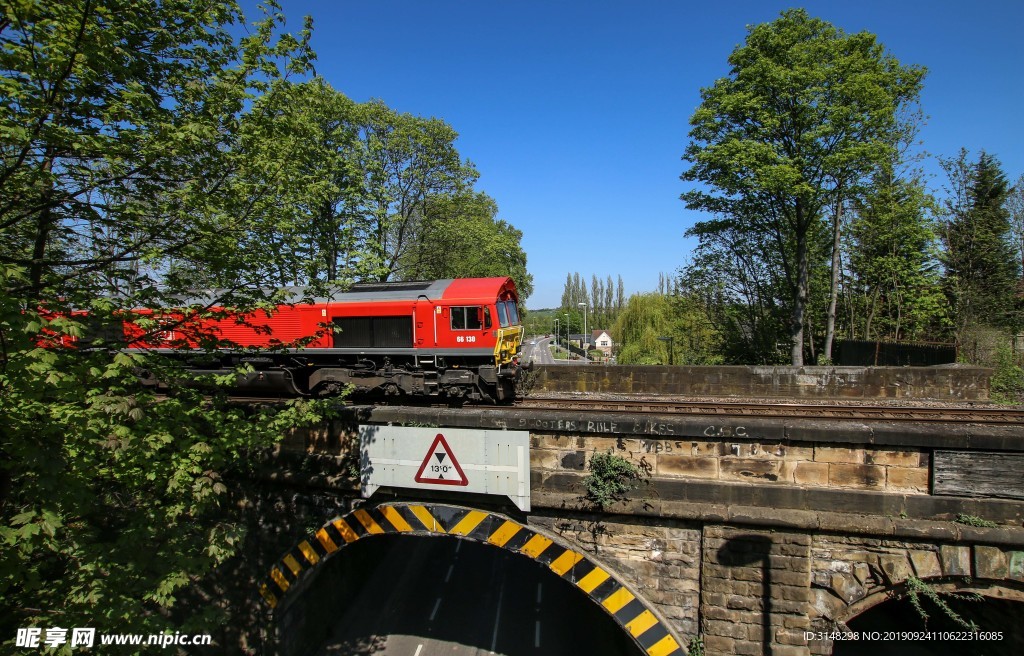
610	477
603	301
894	273
649	317
460	236
971	520
1007	379
125	178
981	265
114	500
805	112
645	318
916	589
696	646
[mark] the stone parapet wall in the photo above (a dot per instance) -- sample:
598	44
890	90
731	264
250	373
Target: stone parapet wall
946	383
781	462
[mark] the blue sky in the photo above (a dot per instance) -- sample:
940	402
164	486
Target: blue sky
576	113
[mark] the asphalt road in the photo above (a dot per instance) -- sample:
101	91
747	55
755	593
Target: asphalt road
423	596
537	351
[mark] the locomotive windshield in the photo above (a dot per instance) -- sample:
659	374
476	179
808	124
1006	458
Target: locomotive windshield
513	312
502	315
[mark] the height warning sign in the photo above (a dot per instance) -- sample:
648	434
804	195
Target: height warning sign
446	461
441	467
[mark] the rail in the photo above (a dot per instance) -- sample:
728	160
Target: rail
1012	416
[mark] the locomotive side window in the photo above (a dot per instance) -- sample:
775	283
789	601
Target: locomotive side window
470	318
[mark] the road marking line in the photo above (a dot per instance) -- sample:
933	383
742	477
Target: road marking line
497	617
540	587
448	576
433	613
418	650
536	635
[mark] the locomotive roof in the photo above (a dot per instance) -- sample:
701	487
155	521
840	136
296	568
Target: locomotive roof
448	289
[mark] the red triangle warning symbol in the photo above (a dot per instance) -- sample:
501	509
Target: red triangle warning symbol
440	467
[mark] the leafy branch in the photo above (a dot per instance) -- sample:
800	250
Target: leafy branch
611	477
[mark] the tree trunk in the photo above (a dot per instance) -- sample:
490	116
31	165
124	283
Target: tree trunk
830	326
796	330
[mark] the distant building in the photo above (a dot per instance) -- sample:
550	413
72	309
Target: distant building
602	341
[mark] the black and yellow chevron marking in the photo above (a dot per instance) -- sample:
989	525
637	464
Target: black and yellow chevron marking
430	519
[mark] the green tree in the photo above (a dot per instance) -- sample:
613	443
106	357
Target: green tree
121	157
460	236
1015	206
738	280
404	160
893	263
645	318
642	330
981	266
806	110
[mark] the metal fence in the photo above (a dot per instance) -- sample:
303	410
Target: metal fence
864	353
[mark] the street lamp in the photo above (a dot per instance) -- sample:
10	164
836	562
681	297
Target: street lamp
557	326
669	340
586	336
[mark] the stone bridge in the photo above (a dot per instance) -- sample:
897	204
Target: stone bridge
761	536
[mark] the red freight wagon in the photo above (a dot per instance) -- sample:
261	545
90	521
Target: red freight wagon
452	338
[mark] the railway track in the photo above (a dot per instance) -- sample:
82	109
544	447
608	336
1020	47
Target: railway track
725	408
945	414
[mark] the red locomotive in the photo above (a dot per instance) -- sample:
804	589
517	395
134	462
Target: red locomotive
457	339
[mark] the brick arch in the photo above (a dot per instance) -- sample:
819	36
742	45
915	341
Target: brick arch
602	587
995	589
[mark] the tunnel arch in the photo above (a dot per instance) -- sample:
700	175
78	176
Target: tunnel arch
630	612
987	588
886	609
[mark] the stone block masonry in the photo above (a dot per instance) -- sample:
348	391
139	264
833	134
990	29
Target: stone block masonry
779	462
747	531
961	383
659	560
